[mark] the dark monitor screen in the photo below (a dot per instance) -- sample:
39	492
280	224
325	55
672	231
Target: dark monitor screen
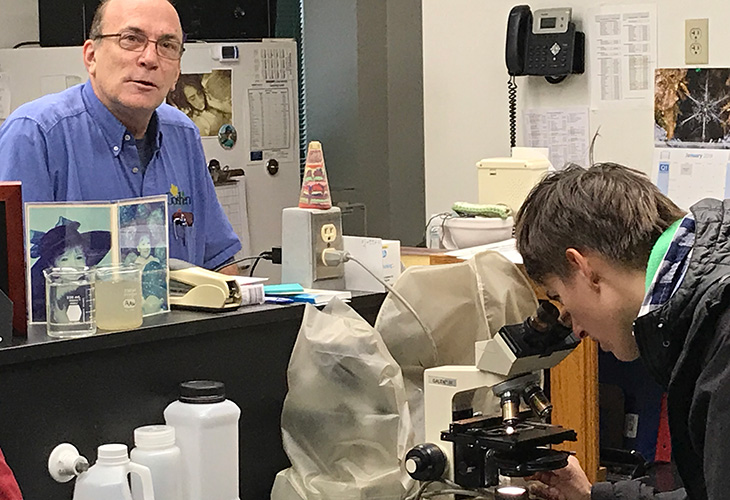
67	23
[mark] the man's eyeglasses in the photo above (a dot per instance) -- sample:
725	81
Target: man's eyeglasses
166	46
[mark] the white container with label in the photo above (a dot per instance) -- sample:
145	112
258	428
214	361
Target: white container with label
206	431
154	447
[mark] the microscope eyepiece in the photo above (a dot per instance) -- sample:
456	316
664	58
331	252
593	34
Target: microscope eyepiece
545	318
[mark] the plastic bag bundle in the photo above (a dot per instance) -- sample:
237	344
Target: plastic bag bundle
345	423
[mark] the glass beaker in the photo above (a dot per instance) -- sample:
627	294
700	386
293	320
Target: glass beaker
69	302
118	297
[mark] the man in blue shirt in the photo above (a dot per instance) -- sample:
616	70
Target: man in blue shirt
113	138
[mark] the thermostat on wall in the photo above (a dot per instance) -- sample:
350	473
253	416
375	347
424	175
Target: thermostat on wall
224	53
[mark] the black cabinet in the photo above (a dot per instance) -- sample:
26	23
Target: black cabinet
98	389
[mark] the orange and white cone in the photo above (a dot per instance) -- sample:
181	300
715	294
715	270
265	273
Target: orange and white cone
315	188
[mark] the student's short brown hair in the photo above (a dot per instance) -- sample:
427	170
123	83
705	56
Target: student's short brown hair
610	209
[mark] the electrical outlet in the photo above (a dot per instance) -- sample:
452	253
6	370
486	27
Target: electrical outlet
329	233
305	234
696	41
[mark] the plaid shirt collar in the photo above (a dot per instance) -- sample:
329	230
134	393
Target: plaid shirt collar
672	269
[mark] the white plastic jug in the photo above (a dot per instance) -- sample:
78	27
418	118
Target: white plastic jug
155	448
206	431
107	478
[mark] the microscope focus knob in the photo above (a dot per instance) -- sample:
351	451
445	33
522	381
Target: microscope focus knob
425	462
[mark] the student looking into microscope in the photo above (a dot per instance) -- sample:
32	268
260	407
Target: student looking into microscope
644	279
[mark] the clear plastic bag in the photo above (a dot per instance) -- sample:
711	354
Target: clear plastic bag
345	423
460	304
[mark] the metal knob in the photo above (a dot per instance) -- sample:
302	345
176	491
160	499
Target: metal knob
425	462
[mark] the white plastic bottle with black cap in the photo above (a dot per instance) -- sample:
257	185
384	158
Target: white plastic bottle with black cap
206	431
154	447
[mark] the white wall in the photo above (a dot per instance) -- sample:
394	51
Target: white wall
18	22
465	88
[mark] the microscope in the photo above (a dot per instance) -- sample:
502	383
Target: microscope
515	444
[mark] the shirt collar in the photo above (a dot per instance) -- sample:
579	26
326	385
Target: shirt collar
114	132
672	268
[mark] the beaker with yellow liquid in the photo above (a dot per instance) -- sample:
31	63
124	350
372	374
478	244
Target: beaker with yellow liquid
118	297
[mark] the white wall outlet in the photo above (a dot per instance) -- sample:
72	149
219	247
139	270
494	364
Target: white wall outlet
696	41
306	234
329	233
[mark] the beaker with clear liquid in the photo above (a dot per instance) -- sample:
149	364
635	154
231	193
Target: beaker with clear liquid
118	297
69	302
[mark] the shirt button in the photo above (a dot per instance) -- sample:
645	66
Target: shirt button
127	137
116	148
135	170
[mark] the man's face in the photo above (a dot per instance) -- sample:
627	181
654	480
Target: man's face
129	82
599	310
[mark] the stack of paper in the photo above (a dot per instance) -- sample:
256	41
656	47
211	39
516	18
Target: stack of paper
252	290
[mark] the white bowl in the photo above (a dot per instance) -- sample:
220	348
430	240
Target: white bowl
466	232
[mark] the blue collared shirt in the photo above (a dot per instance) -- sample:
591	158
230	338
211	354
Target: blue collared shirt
69	147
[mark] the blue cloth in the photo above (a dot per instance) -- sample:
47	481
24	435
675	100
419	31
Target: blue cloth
69	147
673	267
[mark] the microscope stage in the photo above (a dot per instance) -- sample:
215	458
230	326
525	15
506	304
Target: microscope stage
490	433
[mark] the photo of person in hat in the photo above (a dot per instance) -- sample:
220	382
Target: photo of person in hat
62	246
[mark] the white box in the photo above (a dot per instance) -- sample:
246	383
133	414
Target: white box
382	257
509	180
391	261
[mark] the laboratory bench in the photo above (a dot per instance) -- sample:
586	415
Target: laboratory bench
98	389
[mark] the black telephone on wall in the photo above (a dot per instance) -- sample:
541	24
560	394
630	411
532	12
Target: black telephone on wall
544	44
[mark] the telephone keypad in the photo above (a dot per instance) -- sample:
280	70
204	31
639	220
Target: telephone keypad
548	56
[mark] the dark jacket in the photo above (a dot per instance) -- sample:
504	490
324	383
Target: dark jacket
685	345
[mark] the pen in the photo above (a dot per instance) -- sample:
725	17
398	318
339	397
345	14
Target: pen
277	300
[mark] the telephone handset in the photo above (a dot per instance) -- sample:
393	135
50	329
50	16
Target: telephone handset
545	43
518	22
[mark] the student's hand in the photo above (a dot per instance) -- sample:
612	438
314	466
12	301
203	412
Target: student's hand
569	483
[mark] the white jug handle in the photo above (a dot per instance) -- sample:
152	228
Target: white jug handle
146	477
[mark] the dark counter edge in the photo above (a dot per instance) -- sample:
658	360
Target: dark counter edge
39	346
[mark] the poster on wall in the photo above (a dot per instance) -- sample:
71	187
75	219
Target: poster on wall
564	131
623	52
692	108
206	99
